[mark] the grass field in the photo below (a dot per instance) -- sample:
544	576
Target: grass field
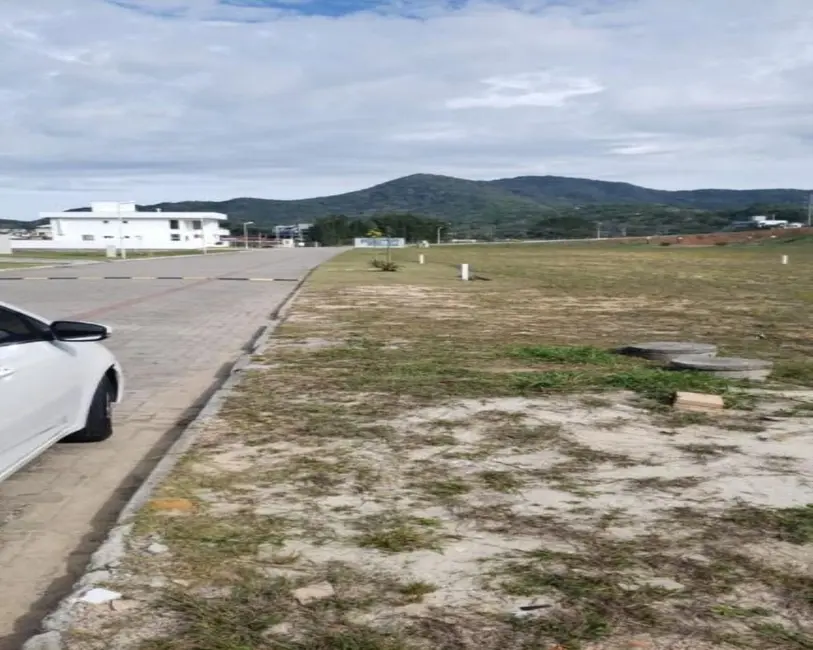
14	265
96	254
465	466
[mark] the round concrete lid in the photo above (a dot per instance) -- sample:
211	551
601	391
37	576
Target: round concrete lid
700	362
673	346
668	348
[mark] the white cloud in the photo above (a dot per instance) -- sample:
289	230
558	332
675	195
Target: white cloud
528	89
202	99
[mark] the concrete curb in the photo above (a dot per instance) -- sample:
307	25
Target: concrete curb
108	556
34	268
142	258
80	262
49	266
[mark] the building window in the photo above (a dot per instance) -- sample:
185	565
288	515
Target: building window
197	224
88	238
173	225
106	221
175	237
197	236
108	236
125	221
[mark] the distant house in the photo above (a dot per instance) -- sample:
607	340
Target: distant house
43	232
293	231
109	223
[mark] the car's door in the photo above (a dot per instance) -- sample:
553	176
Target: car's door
39	387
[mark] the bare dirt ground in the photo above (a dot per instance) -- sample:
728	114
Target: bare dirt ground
417	464
725	238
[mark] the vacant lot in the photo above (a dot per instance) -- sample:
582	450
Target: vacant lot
419	463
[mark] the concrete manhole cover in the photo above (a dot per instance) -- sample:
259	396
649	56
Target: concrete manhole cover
667	350
729	367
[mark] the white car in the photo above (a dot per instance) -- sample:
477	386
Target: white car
56	383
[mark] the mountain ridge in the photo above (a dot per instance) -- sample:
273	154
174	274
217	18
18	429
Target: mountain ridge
490	203
448	197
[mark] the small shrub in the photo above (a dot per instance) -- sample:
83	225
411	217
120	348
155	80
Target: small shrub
384	265
415	591
721	243
399	534
666	243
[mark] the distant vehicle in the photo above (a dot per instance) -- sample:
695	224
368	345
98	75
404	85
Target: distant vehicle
57	382
758	222
766	222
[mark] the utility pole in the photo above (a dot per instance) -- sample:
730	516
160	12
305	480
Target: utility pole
122	250
810	210
246	224
439	229
598	230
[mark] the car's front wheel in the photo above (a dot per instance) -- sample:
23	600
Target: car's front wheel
99	424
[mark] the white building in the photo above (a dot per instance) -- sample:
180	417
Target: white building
110	223
43	232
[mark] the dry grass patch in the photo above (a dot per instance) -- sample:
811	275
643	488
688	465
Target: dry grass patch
470	467
393	533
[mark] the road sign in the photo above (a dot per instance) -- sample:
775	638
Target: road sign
379	242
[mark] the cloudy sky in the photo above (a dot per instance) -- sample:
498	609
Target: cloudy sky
152	100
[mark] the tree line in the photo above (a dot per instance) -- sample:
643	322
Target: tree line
339	230
568	222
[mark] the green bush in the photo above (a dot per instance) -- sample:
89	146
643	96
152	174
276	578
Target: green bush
384	265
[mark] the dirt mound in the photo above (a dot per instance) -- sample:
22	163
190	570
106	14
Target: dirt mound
719	238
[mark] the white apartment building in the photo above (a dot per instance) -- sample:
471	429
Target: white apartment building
110	223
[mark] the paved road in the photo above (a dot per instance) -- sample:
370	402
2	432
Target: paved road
174	339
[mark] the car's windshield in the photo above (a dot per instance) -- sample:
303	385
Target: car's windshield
14	327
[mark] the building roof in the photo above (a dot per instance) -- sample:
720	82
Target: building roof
133	215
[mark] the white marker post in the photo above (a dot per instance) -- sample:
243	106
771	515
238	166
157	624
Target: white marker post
784	259
420	259
464	272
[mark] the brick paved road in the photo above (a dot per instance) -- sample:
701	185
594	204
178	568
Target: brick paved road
174	338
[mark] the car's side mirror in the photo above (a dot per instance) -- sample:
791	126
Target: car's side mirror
78	331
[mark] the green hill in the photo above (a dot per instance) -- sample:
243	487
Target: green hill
14	224
459	200
522	206
453	199
11	223
569	191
